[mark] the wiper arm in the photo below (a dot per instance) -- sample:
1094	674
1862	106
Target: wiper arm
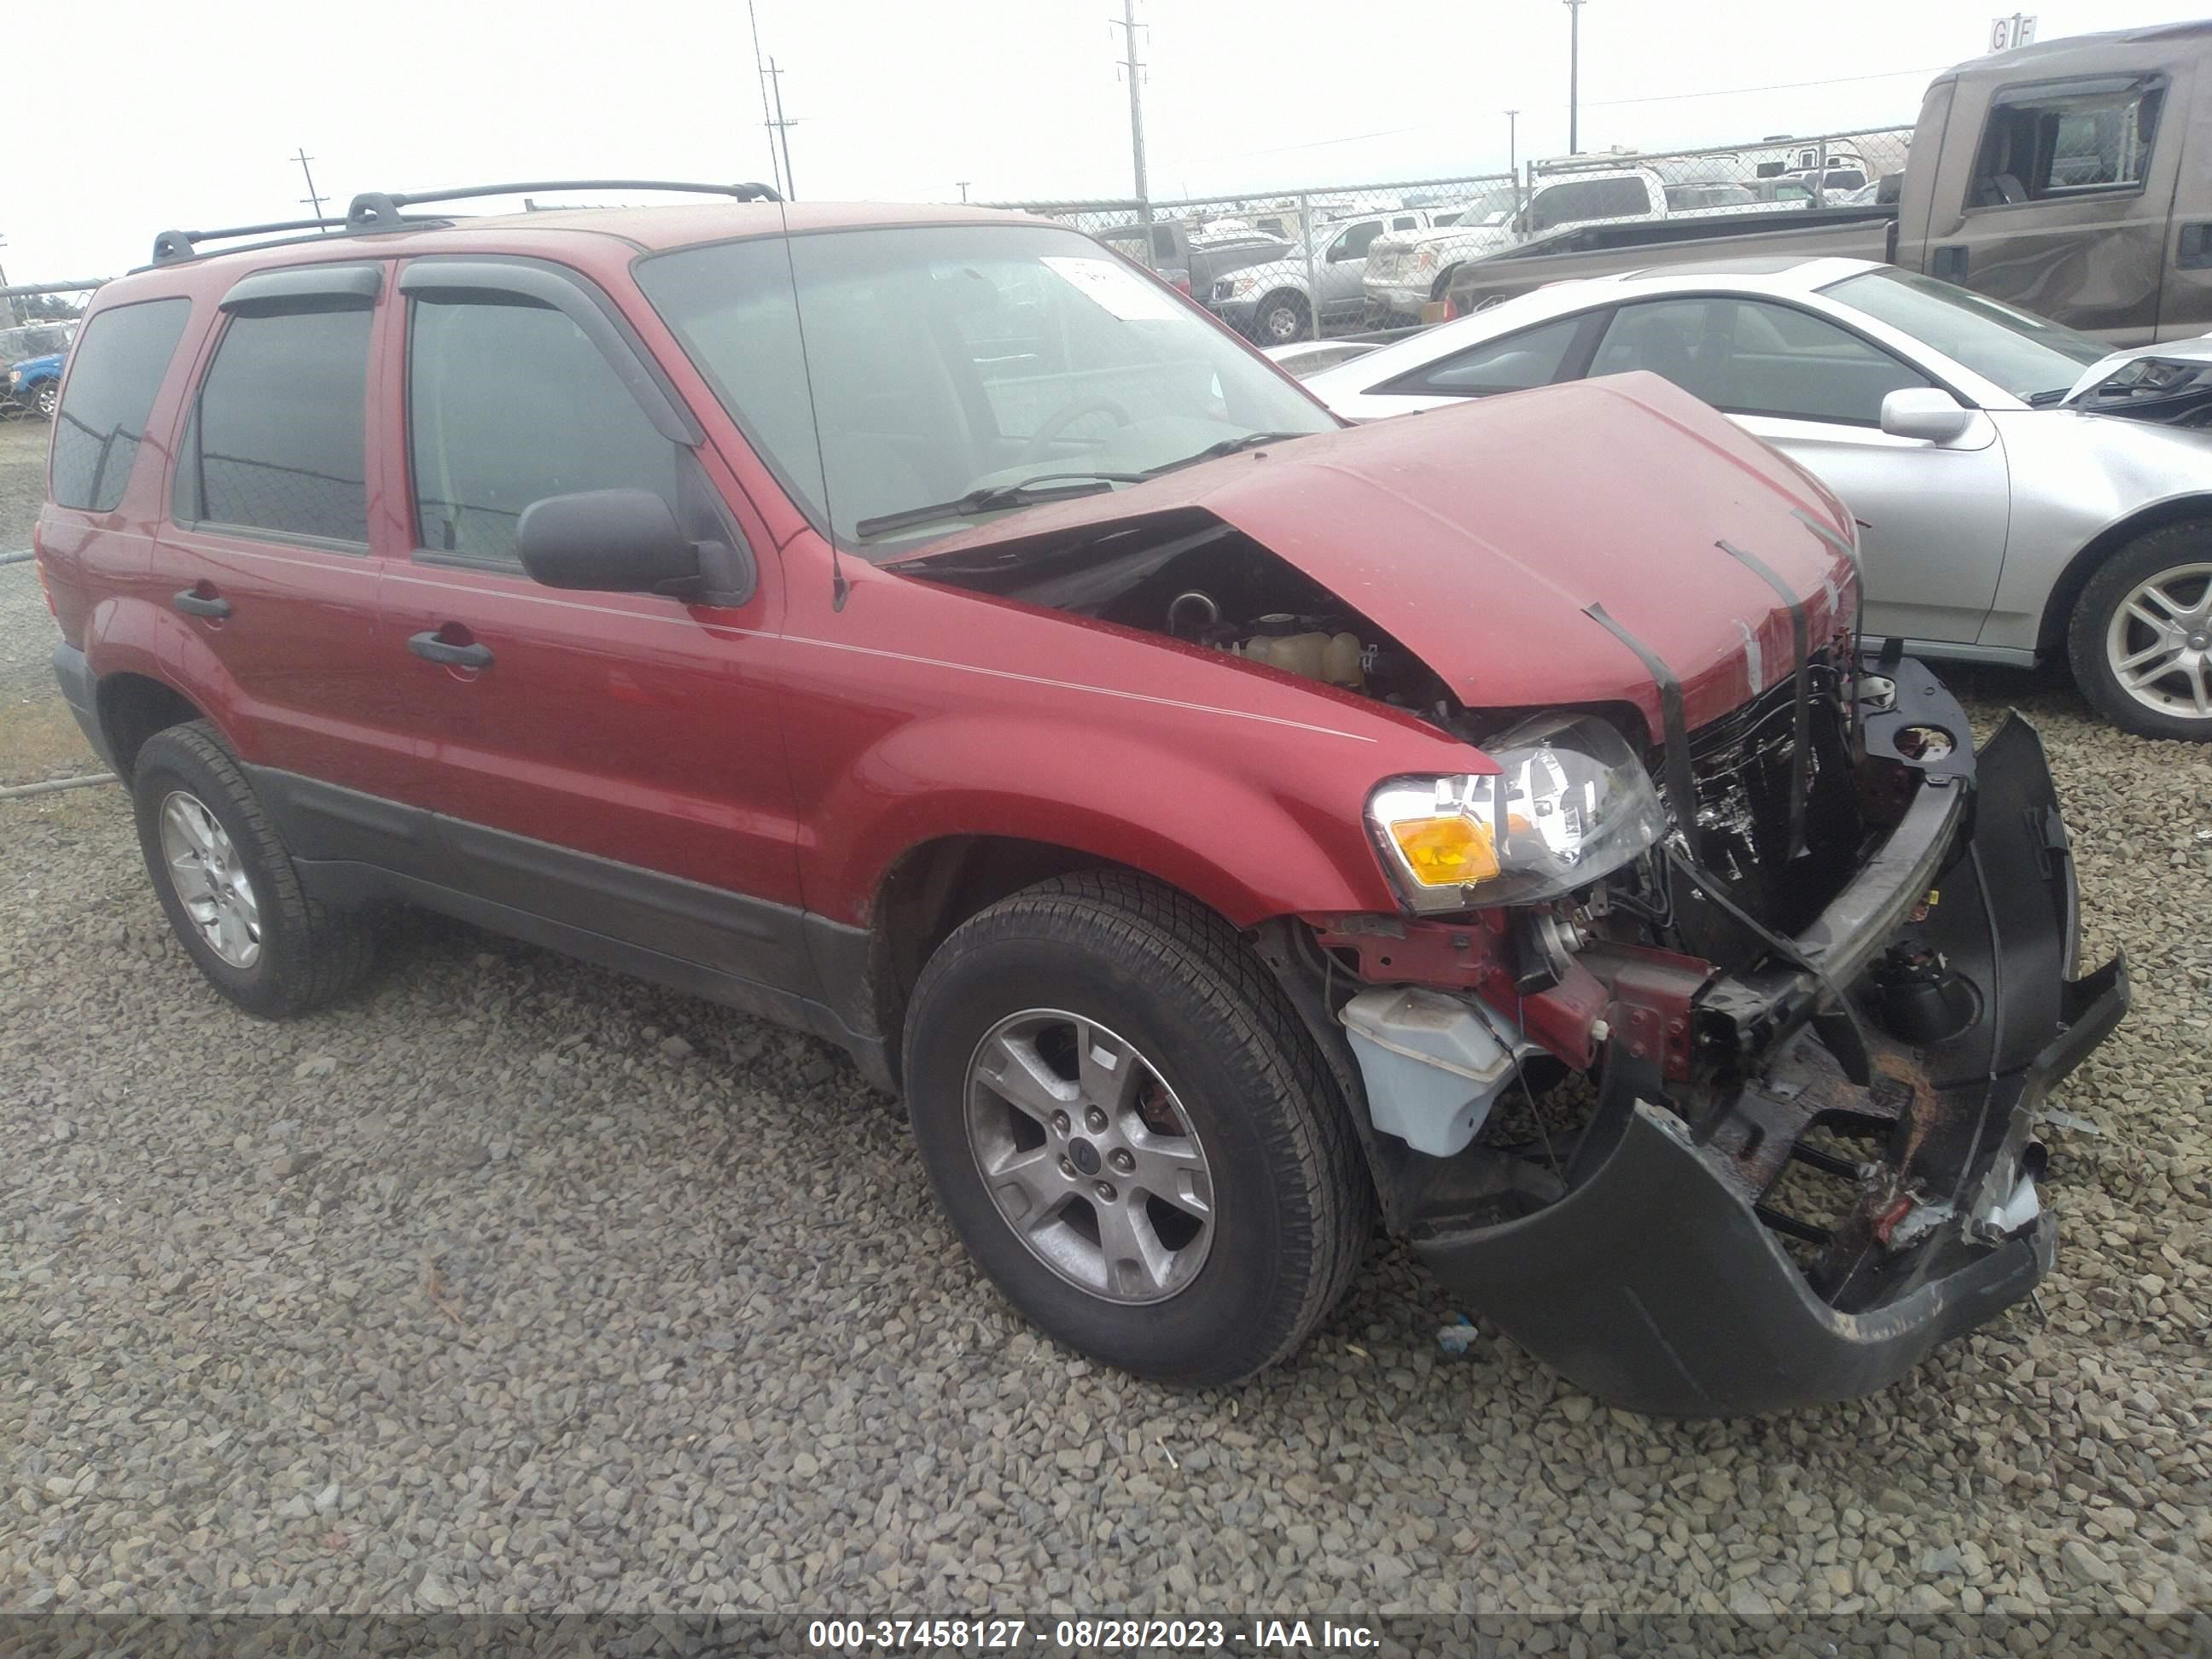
1226	446
1045	487
2044	399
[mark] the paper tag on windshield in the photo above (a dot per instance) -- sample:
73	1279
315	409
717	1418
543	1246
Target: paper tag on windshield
1116	288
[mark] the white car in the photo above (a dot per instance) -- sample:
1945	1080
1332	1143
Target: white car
2014	505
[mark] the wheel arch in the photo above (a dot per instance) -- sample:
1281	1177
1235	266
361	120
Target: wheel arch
2066	591
132	707
928	890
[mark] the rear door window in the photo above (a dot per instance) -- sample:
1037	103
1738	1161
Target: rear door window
506	404
119	366
275	444
2080	139
1513	362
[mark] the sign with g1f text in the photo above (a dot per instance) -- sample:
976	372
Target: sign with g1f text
2006	33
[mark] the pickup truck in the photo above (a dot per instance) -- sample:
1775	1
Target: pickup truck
2066	177
1193	257
1274	303
1406	271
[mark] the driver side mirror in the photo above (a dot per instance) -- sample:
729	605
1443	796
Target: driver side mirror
608	541
1924	411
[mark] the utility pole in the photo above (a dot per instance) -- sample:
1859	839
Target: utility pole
311	200
1512	150
783	131
1127	22
767	121
963	182
1574	77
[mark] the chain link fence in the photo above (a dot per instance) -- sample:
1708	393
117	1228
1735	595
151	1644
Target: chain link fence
1331	262
38	325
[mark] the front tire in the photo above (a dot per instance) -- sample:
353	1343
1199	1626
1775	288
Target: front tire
49	399
2141	637
1132	1132
1280	320
228	886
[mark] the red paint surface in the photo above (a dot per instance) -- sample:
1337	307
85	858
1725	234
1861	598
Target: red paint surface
793	752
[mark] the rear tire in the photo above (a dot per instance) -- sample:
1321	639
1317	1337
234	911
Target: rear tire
1180	1007
228	886
2140	640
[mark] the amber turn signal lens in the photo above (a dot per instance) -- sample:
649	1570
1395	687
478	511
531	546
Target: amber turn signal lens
1446	852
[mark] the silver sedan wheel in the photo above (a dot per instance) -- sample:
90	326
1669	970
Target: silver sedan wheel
210	879
1088	1156
2159	643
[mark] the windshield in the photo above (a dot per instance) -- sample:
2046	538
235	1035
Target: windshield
2028	356
951	359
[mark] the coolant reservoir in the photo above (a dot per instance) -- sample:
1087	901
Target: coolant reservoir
1332	657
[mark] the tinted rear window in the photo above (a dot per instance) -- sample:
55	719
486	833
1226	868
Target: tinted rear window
275	444
119	364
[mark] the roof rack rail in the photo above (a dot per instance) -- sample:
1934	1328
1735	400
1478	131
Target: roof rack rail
173	246
380	209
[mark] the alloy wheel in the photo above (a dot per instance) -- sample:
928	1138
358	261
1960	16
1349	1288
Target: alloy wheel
1282	325
210	879
1088	1156
50	397
2158	643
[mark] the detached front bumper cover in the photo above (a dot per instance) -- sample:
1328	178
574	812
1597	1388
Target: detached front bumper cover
1659	1283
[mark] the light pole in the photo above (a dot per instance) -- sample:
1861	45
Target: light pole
1127	23
1574	76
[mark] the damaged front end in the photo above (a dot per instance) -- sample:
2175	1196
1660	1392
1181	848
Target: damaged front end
1805	1037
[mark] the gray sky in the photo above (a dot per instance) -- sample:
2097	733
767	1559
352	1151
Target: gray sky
185	115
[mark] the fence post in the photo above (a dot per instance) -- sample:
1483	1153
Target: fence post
1313	282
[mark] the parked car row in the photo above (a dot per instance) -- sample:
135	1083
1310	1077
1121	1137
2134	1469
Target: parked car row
1407	273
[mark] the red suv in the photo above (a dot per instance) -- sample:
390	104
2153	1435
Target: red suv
1224	828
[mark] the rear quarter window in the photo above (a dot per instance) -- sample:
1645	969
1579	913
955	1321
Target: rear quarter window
121	359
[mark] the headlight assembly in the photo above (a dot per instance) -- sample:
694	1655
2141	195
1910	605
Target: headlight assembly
1569	804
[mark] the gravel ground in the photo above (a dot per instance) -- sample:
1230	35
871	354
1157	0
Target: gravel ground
513	1285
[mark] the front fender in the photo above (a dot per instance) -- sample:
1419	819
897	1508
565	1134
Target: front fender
1248	850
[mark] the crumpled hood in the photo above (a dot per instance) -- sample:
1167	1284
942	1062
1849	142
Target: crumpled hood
1483	535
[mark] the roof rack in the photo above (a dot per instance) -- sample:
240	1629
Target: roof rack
378	211
171	245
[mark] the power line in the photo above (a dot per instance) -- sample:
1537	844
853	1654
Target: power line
1785	86
1587	103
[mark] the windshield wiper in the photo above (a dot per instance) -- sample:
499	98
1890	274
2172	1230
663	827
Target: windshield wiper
1045	487
1226	446
2044	399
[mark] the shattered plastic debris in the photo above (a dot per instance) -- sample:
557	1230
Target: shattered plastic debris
2059	1118
1459	1338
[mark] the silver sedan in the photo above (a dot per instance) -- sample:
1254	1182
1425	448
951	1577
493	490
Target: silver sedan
2015	506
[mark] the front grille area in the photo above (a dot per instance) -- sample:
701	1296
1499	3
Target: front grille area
1742	772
